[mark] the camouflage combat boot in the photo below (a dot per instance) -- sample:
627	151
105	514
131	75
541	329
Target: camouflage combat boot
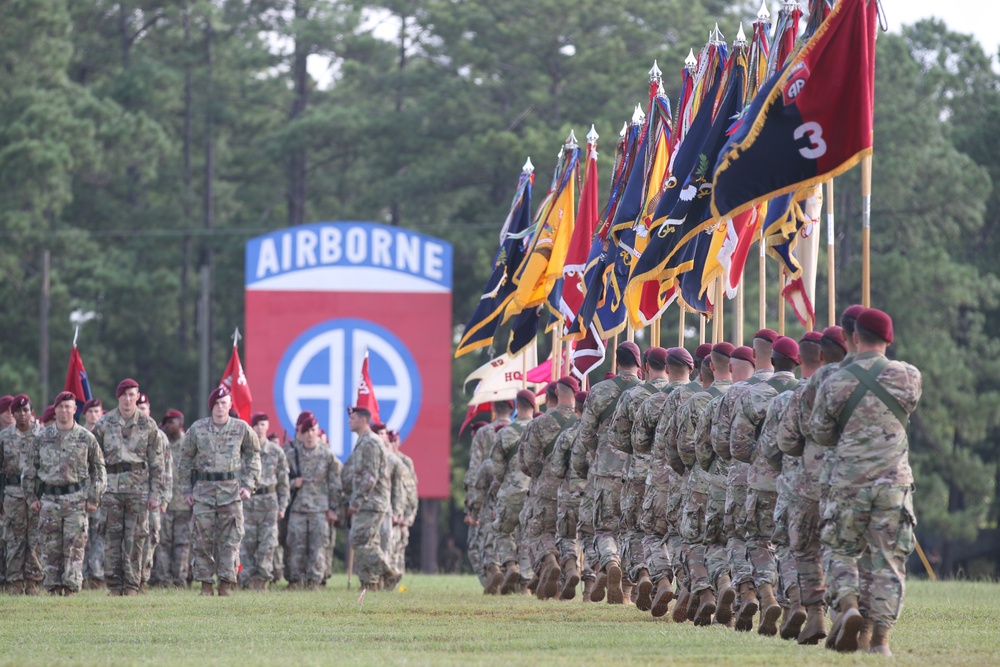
494	579
588	589
644	591
226	589
815	627
511	578
865	636
706	607
727	595
880	641
571	579
851	623
548	582
661	601
207	589
681	608
770	611
31	587
795	616
615	593
600	584
692	607
748	607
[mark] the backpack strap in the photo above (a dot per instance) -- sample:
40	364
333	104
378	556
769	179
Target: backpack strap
518	428
783	386
714	391
564	423
623	386
868	381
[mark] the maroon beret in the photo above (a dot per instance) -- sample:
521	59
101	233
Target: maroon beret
308	423
377	427
142	399
770	335
581	396
475	426
527	396
724	348
850	315
172	414
127	383
92	403
658	354
876	321
811	337
550	388
703	350
681	355
836	335
570	381
258	417
506	402
361	410
19	401
219	392
5	402
64	396
744	353
392	436
609	375
631	348
49	414
787	347
305	414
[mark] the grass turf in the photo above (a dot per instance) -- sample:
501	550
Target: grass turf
440	620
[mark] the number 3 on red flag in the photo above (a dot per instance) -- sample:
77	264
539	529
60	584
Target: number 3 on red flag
817	146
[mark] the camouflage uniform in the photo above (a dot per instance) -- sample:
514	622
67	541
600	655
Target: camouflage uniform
869	501
634	474
133	454
409	513
370	496
534	452
65	471
20	522
580	502
397	504
479	452
510	487
260	516
216	462
605	473
308	529
331	540
486	553
755	420
571	492
173	554
153	542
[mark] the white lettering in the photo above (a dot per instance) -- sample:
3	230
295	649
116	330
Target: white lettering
357	245
817	145
381	242
305	248
329	245
267	259
433	264
407	253
286	252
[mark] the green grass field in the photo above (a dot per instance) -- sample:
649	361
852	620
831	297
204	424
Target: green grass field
446	620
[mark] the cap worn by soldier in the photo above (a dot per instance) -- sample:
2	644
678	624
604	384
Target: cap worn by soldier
850	316
770	335
657	355
682	356
49	414
92	403
142	399
527	397
876	322
361	411
786	347
581	397
744	353
19	402
835	335
172	414
569	381
125	385
258	417
702	351
723	348
628	354
5	402
219	392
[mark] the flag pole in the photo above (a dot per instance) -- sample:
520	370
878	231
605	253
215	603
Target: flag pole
831	264
236	337
701	328
680	327
614	357
524	369
738	335
556	355
762	307
866	267
720	309
781	302
76	334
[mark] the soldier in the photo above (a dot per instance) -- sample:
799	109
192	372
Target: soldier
132	449
568	499
283	562
263	509
369	500
534	453
667	456
48	416
219	467
6	421
487	535
153	541
316	480
605	474
482	446
20	520
757	524
659	479
6	418
861	413
693	423
93	555
173	555
510	488
63	480
397	504
634	477
401	527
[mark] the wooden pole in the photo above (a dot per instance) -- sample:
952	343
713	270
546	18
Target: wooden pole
866	266
701	328
738	328
614	357
762	306
629	333
831	264
781	302
556	355
524	368
680	328
654	333
44	308
718	313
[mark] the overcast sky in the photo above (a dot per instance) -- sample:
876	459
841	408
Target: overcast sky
977	17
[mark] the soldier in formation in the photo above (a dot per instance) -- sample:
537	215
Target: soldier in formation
263	510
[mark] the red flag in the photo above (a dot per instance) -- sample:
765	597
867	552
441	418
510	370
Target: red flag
234	379
472	412
76	378
366	393
583	234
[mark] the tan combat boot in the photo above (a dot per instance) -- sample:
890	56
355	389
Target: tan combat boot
588	589
615	593
851	622
68	592
644	591
207	589
661	601
31	587
225	589
865	636
706	607
795	616
693	605
880	641
571	579
748	607
494	580
15	588
130	592
600	584
815	628
727	595
548	582
770	611
511	579
628	592
681	608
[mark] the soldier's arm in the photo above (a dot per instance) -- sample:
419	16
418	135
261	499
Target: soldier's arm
168	469
364	473
499	457
250	455
96	472
687	425
704	454
578	459
620	435
522	455
722	425
333	489
29	470
743	433
398	493
281	472
826	411
475	460
189	449
154	462
767	444
790	439
587	435
559	461
643	428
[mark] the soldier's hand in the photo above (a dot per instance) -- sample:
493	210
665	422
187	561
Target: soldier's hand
163	508
331	517
245	493
351	511
152	504
299	481
36	506
281	515
189	499
469	521
91	508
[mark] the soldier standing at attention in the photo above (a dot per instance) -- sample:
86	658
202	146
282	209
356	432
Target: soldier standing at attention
604	473
401	527
262	511
153	541
369	500
6	421
93	555
316	480
861	413
133	453
63	480
173	555
20	521
219	467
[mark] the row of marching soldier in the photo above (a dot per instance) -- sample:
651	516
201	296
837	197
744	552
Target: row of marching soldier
123	503
761	487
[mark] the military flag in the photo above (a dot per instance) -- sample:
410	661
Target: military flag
366	392
76	377
811	121
587	220
234	379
